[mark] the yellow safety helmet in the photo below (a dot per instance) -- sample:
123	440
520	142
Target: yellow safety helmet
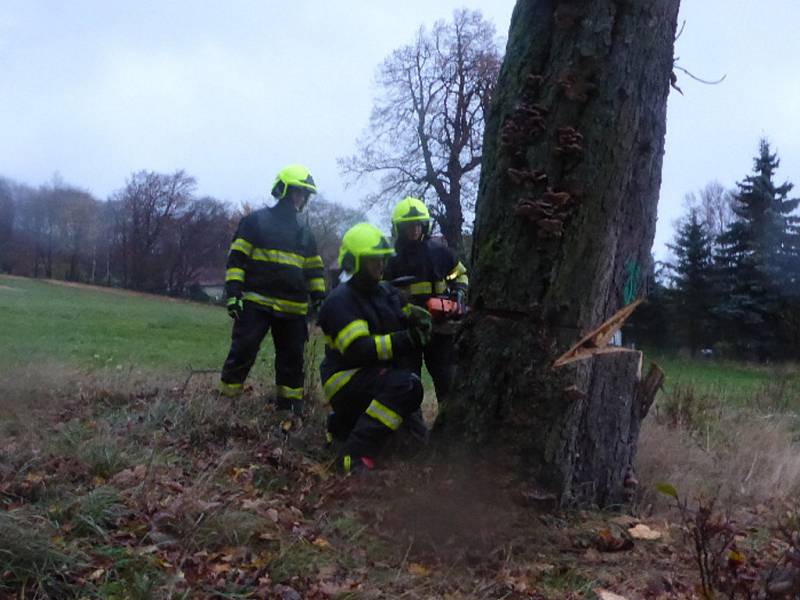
411	210
293	176
362	240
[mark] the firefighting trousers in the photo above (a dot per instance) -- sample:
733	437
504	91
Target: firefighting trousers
289	336
440	360
372	406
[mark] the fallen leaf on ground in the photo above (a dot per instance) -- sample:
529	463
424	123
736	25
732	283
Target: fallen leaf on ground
249	504
606	595
593	555
643	532
322	542
607	540
334	589
418	569
129	477
220	568
34	477
625	521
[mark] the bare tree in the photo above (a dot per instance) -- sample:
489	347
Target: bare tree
329	221
197	239
79	213
149	202
20	247
40	220
7	210
425	135
152	234
714	204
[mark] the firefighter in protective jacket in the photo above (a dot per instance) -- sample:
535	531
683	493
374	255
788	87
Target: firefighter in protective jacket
368	329
436	272
273	271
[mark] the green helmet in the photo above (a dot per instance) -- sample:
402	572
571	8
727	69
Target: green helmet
411	210
360	241
293	176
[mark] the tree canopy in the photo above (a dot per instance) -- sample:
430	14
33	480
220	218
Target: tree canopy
425	133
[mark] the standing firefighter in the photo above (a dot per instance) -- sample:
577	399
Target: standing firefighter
273	269
436	272
368	328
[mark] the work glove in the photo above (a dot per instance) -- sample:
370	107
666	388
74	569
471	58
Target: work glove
420	335
419	317
425	325
235	307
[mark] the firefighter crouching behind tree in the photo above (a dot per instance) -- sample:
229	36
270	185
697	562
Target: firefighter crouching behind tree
368	329
437	272
273	268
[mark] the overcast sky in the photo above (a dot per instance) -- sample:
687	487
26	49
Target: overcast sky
231	92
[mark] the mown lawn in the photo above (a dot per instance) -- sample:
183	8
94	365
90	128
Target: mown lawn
98	329
94	328
734	383
106	330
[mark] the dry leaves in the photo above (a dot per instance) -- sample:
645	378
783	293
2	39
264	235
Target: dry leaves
418	569
643	532
606	595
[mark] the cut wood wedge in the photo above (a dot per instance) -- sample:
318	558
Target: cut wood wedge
596	341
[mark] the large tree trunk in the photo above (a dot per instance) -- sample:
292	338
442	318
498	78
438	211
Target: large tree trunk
453	219
565	216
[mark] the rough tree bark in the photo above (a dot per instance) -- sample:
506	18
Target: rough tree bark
566	212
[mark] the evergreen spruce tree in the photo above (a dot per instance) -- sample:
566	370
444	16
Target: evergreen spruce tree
791	254
650	325
692	296
755	259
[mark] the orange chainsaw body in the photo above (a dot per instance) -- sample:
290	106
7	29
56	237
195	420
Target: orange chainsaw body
443	308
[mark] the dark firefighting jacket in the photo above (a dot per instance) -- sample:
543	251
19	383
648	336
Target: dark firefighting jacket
273	262
433	265
362	329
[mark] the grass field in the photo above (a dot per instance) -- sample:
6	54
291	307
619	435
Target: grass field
115	488
97	329
735	384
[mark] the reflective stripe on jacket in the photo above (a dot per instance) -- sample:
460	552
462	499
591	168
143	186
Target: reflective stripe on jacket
273	262
361	329
433	265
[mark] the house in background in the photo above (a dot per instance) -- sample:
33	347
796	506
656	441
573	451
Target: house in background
208	284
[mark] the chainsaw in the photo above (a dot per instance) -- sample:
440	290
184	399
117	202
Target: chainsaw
445	308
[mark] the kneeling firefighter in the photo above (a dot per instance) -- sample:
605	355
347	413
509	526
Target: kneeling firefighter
436	273
368	329
273	271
